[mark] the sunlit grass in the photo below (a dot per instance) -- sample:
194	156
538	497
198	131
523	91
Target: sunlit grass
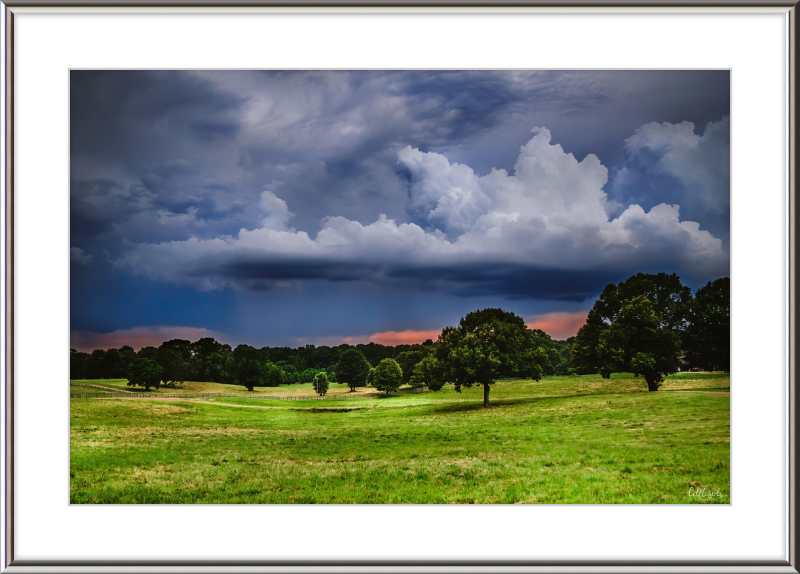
559	440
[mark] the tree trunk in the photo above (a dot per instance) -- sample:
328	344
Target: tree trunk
485	396
652	386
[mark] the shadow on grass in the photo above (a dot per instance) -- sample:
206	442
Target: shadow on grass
697	390
329	409
478	404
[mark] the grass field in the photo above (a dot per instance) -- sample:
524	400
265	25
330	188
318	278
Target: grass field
86	390
195	387
559	440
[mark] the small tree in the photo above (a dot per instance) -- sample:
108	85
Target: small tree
388	376
321	383
144	373
352	369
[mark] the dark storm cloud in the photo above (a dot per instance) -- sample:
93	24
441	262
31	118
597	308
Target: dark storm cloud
465	280
132	116
326	142
258	180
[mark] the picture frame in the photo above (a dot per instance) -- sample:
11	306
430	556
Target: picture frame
21	249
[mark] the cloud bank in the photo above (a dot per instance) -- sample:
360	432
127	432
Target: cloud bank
465	233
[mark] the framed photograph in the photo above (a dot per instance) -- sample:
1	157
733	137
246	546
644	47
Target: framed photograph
410	288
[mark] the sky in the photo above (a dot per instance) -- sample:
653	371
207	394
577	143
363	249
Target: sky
286	208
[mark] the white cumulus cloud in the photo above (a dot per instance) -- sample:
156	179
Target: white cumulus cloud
701	162
552	213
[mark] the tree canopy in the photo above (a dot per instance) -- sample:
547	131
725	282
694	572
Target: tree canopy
246	368
642	325
637	341
352	369
669	307
388	376
145	373
175	368
486	345
708	336
409	359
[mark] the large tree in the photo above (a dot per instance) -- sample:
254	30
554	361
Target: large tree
487	345
388	376
144	373
670	302
352	369
708	336
638	341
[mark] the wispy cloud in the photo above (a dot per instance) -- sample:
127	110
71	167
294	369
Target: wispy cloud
79	256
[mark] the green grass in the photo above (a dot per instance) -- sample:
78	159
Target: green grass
86	390
196	387
559	440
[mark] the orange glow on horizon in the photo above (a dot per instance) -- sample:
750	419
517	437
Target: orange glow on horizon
394	338
559	325
137	337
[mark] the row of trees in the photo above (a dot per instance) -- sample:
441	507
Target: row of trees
209	360
646	324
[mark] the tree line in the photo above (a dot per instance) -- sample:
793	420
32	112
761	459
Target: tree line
180	360
648	324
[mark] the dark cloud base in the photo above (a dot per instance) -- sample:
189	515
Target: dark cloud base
509	281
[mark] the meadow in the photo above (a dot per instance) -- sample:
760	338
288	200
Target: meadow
559	440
